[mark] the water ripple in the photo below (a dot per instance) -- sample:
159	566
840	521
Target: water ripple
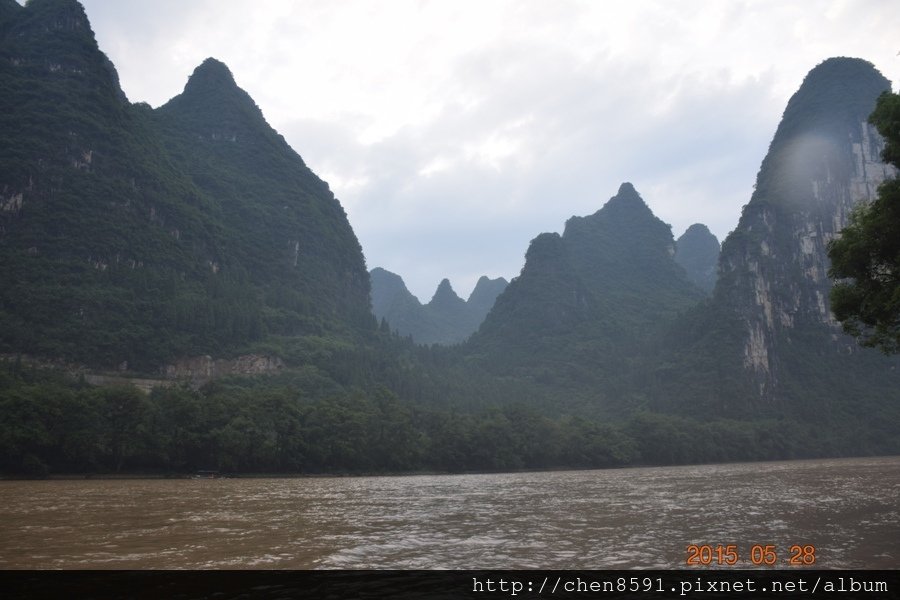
627	518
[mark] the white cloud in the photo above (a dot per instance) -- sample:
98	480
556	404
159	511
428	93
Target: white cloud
454	132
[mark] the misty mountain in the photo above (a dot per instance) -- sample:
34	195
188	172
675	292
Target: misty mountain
445	319
697	250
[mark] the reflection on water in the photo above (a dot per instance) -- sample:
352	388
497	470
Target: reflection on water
627	518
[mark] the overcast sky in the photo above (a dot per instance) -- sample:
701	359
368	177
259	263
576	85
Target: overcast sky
455	131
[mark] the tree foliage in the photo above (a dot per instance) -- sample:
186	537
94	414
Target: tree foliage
305	423
866	258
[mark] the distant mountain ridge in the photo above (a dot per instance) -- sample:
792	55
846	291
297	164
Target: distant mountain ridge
445	319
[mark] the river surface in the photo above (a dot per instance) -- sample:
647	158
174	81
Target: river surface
848	509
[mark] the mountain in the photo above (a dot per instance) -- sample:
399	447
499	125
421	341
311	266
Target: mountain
131	237
289	232
446	301
768	331
484	294
588	302
394	303
446	319
697	250
9	10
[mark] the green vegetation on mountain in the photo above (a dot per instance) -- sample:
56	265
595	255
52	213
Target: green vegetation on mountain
867	254
133	236
588	306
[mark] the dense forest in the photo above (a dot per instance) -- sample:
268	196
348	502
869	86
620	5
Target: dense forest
303	423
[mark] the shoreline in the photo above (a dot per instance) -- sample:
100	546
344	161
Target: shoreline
203	475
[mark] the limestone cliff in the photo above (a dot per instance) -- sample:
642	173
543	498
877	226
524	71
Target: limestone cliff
773	270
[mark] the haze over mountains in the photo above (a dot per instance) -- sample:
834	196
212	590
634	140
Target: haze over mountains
697	250
445	319
135	241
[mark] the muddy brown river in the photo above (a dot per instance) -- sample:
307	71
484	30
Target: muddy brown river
840	513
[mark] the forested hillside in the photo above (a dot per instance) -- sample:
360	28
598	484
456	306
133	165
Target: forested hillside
588	306
132	237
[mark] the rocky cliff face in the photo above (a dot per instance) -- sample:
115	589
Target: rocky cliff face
200	369
823	160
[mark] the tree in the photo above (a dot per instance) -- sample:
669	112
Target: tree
123	409
865	259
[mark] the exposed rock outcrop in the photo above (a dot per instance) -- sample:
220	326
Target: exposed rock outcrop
823	161
200	369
